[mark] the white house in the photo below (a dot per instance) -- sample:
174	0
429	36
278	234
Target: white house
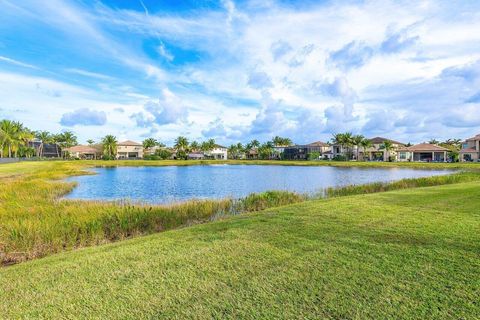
129	150
218	153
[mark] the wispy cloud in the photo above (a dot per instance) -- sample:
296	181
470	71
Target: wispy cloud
17	63
89	74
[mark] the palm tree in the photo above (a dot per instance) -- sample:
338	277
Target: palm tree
90	142
357	141
434	141
44	137
387	146
181	143
109	143
365	144
265	150
66	139
149	143
254	143
8	136
194	146
232	151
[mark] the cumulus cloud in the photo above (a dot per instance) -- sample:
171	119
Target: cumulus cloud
280	49
84	117
353	55
259	80
398	41
215	129
168	109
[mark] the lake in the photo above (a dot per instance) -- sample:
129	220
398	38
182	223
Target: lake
166	184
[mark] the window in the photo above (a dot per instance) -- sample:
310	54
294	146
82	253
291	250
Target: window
403	155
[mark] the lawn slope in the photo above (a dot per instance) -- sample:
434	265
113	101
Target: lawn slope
404	254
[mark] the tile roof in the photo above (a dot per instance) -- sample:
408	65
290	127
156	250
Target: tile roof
477	137
129	143
82	149
468	150
427	147
318	144
380	140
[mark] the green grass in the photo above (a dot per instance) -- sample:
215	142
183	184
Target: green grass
408	254
35	223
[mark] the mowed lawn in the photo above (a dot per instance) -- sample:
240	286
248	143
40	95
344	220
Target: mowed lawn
410	254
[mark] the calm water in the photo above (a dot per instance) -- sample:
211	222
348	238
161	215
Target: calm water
172	183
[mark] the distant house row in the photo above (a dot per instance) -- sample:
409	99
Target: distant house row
133	150
376	151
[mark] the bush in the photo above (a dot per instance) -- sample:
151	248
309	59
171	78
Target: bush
107	157
339	158
163	154
314	156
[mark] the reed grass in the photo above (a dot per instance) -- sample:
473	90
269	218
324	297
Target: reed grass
35	222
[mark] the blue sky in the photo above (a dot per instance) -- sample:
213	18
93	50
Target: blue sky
238	70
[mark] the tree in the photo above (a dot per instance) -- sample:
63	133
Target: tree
281	142
181	144
208	145
345	140
44	137
254	143
365	144
232	151
265	150
66	139
10	137
149	143
357	141
387	146
109	145
434	141
194	146
90	142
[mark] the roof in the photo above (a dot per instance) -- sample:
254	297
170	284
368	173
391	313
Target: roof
477	137
468	150
318	144
380	140
82	149
129	143
220	147
427	147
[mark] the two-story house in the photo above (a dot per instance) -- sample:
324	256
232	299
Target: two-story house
301	152
377	151
471	149
218	152
129	150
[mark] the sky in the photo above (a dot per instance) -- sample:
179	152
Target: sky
241	70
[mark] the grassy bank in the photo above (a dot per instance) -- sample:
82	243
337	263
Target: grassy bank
409	254
35	223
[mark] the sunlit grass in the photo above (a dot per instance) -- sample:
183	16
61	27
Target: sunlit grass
35	222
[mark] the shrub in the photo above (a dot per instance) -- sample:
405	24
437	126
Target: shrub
339	158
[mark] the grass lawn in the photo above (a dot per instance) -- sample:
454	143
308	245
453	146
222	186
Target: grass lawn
410	254
35	223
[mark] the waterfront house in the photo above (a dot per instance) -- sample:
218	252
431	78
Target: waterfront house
377	152
423	152
252	154
196	155
83	152
45	150
471	149
302	152
129	150
218	153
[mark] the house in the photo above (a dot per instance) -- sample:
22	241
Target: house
424	152
252	154
196	155
341	151
218	153
376	152
45	150
84	152
129	150
471	149
302	152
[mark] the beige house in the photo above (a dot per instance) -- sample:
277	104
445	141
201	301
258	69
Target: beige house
218	153
376	151
129	150
84	152
423	152
471	149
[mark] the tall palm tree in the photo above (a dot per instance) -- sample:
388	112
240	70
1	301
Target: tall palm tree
181	143
232	151
90	142
8	136
109	143
66	139
387	146
194	146
255	143
357	141
365	144
149	143
44	137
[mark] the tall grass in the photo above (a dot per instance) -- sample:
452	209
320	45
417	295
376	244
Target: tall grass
34	222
